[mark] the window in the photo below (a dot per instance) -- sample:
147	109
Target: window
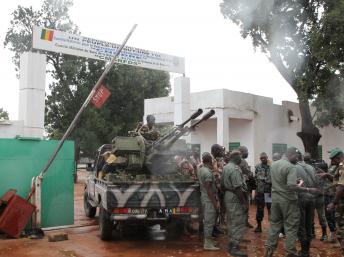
233	145
279	148
320	152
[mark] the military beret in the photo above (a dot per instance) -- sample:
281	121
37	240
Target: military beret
234	153
263	154
334	152
292	150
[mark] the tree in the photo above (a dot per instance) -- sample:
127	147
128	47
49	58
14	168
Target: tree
73	77
290	34
3	114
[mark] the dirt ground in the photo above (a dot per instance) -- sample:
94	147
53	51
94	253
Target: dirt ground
84	241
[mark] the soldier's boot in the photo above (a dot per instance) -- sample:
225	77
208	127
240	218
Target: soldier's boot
234	250
259	227
209	245
304	249
324	234
292	255
268	252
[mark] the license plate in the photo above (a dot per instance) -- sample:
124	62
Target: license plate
137	211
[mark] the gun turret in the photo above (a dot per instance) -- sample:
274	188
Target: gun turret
167	141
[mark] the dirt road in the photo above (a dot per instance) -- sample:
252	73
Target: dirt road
84	241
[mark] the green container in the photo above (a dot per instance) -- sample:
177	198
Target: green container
23	159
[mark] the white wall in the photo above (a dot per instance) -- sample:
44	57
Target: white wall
254	121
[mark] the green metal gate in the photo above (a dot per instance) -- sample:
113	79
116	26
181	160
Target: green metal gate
22	159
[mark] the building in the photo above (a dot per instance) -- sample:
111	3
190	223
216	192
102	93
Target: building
240	119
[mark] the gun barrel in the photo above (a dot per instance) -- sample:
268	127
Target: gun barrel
193	116
204	118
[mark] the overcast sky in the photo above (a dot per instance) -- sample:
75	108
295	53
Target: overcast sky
215	54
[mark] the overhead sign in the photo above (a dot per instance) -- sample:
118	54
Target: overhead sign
66	43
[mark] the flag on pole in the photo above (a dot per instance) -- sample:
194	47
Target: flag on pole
100	96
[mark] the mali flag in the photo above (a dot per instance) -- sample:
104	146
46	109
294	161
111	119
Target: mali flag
47	34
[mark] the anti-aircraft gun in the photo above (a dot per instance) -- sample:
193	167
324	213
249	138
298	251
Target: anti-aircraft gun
159	154
142	183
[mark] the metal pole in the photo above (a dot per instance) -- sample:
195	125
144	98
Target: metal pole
87	101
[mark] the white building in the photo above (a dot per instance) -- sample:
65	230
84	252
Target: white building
240	119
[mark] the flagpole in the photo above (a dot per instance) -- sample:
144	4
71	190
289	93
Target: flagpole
85	104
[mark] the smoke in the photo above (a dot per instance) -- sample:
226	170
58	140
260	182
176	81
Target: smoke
278	28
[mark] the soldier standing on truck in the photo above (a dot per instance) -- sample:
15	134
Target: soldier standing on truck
148	130
210	203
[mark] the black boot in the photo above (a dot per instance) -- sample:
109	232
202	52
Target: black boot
259	227
324	234
234	250
304	249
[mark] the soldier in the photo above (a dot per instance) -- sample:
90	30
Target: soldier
248	176
319	199
306	174
276	157
235	189
284	209
209	201
337	159
262	173
148	131
217	151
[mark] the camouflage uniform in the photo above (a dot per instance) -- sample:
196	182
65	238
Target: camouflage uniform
340	206
284	208
262	173
320	205
329	192
232	178
204	175
306	173
149	134
249	181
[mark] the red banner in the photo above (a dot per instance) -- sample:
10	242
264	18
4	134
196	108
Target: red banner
101	95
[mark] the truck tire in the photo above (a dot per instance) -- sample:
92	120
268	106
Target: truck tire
105	224
90	211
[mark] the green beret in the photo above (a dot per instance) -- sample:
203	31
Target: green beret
334	152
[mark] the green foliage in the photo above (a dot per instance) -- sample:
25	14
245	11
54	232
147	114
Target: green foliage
74	77
304	41
3	114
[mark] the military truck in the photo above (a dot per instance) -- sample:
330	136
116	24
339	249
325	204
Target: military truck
142	184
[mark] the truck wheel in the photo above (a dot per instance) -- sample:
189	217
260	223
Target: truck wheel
90	211
105	224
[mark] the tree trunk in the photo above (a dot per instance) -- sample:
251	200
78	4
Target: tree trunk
309	133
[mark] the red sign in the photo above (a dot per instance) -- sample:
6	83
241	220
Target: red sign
101	95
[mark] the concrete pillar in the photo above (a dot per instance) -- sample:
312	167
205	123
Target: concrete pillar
181	99
32	93
222	127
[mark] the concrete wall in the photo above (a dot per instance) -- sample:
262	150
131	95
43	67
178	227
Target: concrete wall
253	121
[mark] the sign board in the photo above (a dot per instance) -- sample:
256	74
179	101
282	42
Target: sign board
100	96
66	43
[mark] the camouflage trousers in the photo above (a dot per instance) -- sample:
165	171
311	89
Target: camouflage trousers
320	209
284	214
340	220
236	222
209	217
